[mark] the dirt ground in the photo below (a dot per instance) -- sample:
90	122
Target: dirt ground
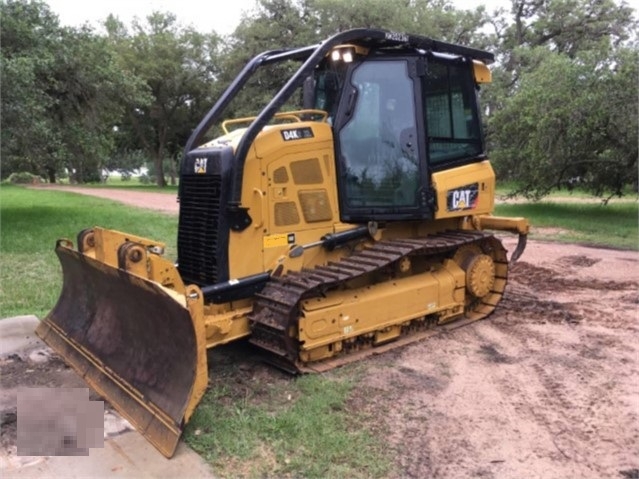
547	387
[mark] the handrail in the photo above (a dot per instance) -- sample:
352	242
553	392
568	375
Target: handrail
294	115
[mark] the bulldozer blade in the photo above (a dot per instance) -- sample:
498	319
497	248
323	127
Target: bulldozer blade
131	340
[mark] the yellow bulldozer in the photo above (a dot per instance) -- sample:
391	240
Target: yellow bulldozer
353	212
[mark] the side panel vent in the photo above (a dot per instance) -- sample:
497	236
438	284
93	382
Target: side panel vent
286	213
280	175
307	172
315	206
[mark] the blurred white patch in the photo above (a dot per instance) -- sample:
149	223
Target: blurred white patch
40	356
58	422
114	425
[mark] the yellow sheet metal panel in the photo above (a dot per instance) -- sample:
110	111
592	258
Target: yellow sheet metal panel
292	167
466	190
482	72
346	314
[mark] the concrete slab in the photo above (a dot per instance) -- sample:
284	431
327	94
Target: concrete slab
17	335
126	454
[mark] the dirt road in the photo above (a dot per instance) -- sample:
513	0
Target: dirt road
164	202
547	387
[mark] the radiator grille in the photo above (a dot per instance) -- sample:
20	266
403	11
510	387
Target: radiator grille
199	234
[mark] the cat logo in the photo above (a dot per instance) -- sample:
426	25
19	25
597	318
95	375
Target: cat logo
464	198
200	165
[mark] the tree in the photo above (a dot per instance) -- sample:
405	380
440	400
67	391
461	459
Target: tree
560	65
284	23
438	19
177	66
89	102
61	91
28	35
568	26
571	123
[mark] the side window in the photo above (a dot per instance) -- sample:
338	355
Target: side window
451	114
378	145
327	88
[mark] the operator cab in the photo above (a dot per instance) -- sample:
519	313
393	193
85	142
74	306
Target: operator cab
397	116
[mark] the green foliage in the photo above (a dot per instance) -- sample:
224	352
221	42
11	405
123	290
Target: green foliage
570	123
568	26
275	23
437	19
28	36
62	93
563	108
145	179
23	178
126	161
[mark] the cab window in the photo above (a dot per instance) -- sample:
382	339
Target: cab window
451	113
378	144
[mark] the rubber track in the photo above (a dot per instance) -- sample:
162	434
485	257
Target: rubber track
276	308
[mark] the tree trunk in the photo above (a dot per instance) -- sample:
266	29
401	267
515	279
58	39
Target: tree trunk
159	159
159	170
51	175
173	172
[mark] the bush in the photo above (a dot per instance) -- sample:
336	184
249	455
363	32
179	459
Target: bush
23	178
91	176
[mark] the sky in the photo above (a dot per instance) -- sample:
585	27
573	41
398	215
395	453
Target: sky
204	15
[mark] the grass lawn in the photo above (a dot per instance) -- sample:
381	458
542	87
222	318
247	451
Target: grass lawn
306	426
614	225
32	221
